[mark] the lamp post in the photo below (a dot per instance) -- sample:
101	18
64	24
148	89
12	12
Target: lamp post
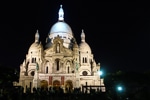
119	91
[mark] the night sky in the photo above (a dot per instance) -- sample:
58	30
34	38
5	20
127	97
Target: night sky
117	32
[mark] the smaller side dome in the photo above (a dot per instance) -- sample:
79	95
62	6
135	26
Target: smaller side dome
36	45
84	47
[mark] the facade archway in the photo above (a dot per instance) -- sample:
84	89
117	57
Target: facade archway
56	84
44	84
68	86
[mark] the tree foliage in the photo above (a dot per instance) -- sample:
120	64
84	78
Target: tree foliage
8	75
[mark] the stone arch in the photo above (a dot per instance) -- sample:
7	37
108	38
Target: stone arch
68	86
56	84
47	66
44	84
68	63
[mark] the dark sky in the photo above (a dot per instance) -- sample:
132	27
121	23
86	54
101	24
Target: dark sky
117	32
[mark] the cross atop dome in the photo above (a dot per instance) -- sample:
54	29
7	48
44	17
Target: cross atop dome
61	14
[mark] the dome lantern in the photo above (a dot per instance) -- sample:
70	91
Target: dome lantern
37	36
61	14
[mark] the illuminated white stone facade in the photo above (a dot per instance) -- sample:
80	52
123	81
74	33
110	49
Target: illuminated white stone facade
61	62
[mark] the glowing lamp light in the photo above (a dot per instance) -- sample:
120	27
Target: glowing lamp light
100	72
119	88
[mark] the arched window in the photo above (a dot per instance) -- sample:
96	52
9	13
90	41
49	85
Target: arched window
47	69
34	60
85	60
57	64
68	69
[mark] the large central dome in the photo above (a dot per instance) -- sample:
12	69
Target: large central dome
60	27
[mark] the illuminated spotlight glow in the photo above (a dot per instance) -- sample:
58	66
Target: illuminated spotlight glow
119	88
100	72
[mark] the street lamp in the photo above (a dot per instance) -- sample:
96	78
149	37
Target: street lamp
120	89
100	73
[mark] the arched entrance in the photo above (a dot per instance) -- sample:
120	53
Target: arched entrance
44	84
56	84
68	86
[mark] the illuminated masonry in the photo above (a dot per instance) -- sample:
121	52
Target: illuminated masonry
61	62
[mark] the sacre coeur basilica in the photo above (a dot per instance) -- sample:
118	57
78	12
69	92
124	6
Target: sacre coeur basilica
61	62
